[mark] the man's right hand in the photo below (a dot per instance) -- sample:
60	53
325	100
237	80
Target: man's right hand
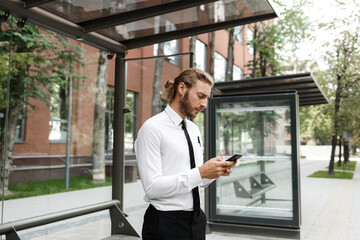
216	167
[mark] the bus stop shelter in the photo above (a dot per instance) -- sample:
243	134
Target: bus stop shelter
116	28
259	118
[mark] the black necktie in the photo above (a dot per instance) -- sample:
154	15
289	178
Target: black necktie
195	191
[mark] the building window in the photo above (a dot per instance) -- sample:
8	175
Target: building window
170	47
220	68
109	119
238	31
58	115
237	73
20	127
250	38
130	121
200	55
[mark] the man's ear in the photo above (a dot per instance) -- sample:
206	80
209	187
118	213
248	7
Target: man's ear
182	89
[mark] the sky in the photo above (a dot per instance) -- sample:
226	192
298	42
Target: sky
320	11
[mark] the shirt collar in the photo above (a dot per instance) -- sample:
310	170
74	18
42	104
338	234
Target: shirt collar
174	116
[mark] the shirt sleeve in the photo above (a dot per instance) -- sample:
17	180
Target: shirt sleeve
155	184
206	182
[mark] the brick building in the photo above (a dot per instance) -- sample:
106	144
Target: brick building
39	153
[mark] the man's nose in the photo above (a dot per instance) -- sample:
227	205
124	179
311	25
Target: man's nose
203	103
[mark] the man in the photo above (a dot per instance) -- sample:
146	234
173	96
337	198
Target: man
166	147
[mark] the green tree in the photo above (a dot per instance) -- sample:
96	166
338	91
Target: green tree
275	42
316	120
38	64
230	58
98	146
344	68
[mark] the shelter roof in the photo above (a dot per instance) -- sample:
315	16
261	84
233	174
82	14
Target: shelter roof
304	84
119	25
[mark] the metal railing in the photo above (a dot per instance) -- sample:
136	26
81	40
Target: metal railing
119	224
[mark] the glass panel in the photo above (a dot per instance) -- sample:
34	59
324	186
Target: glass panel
83	10
54	86
261	183
202	15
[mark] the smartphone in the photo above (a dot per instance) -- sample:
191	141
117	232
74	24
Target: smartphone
234	157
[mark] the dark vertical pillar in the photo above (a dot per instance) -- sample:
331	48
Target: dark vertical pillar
118	167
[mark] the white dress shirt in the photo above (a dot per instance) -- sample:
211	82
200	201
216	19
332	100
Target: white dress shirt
164	162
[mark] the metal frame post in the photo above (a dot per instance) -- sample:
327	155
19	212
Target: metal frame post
118	166
68	135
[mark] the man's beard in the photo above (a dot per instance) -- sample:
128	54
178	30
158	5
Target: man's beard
185	106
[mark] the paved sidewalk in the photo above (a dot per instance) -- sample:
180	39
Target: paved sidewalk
330	210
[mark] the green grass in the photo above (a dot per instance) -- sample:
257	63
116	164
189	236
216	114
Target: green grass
52	186
352	166
338	175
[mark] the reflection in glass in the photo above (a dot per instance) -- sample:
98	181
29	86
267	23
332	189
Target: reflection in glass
211	13
83	10
261	182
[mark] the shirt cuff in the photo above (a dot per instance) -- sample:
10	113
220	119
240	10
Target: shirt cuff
206	182
195	178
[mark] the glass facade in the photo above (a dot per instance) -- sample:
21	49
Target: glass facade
263	185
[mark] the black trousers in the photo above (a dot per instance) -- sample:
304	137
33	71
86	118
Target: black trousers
173	225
